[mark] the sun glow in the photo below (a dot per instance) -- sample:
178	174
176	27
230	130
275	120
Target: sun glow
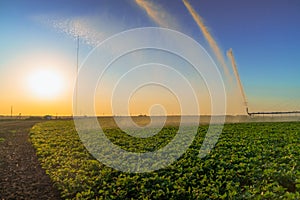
45	84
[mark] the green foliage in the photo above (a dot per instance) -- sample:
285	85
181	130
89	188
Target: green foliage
2	139
250	161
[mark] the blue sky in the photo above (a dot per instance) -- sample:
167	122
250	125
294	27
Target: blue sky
264	36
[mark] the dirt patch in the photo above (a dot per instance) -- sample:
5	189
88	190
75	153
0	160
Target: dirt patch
21	176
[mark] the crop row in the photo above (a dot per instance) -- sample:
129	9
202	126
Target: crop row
250	161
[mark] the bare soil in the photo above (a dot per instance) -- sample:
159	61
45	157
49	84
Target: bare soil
21	175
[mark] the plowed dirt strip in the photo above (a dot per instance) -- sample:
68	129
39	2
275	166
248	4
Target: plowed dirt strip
21	176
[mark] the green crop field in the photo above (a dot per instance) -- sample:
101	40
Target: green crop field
250	161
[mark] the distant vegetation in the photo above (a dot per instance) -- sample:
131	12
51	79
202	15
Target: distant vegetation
250	161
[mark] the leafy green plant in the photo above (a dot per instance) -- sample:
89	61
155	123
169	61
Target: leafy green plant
250	161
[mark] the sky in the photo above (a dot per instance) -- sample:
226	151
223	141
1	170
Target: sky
38	55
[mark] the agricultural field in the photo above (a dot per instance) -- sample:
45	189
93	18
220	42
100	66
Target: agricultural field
250	161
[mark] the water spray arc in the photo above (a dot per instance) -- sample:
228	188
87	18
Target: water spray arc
158	16
153	12
212	43
237	77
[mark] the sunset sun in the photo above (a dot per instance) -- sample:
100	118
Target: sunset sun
45	83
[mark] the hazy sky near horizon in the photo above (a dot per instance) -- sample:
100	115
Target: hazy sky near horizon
38	39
